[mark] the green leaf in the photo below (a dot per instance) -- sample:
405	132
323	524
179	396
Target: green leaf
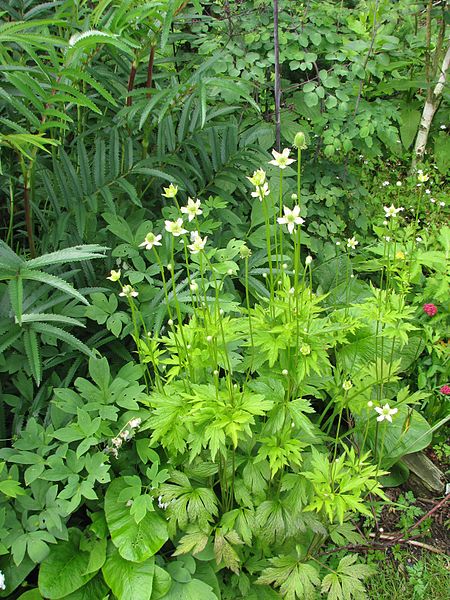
192	590
128	579
95	589
409	123
64	569
33	353
55	282
14	574
31	595
135	541
161	583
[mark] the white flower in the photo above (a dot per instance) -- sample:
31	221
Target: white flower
285	372
134	423
352	242
422	177
171	191
282	159
129	292
193	286
114	276
259	178
198	244
441	203
443	127
261	191
432	200
418	239
391	211
2	581
385	183
151	240
398	184
386	412
308	259
291	218
428	192
370	404
338	243
175	227
192	209
347	385
387	238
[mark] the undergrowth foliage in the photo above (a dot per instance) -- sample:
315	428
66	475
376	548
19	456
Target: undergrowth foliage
257	422
213	361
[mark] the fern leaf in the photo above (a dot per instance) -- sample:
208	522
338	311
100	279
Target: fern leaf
31	345
64	336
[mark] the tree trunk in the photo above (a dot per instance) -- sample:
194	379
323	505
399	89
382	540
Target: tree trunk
429	110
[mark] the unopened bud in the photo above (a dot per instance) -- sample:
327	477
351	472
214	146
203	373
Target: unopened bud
300	140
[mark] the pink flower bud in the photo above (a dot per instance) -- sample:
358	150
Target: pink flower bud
445	389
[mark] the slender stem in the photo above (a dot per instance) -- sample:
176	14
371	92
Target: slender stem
276	45
151	59
130	85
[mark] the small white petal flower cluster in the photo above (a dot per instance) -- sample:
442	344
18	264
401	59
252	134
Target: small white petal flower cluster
2	581
385	413
162	504
291	218
124	435
281	159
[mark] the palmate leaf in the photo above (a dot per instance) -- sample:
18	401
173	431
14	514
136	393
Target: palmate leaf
346	582
296	580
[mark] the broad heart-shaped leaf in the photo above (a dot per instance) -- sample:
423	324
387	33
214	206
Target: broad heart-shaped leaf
192	590
62	572
14	575
409	432
135	541
162	582
128	579
95	589
31	595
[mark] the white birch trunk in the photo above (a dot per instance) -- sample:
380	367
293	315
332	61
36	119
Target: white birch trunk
431	106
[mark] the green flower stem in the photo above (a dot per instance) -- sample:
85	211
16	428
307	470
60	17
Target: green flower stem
166	295
280	202
250	326
269	255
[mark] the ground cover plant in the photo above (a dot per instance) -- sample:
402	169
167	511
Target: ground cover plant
218	354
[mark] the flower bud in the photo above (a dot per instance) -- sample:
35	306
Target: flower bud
300	140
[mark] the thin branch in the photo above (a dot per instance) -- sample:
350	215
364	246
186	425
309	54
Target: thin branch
276	45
